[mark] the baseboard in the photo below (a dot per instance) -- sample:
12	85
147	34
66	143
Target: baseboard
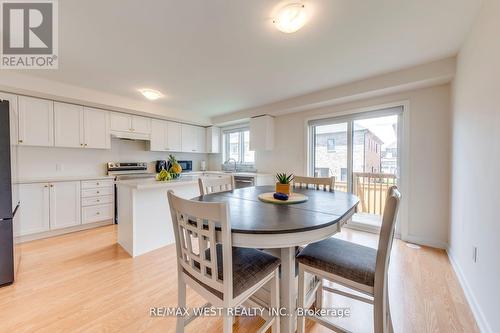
426	242
478	314
58	232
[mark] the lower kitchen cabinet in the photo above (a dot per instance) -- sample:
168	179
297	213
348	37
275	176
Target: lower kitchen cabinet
64	204
55	206
34	210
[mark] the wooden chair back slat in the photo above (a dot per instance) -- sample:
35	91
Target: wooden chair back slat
215	185
324	183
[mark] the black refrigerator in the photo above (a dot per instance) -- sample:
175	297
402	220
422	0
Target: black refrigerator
8	208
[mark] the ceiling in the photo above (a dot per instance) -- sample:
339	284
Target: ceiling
220	56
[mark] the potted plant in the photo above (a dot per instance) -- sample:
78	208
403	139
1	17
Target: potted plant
283	185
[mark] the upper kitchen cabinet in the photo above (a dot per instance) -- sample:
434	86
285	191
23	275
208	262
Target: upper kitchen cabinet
201	139
165	136
36	122
213	139
158	135
174	136
130	126
188	141
68	125
193	139
96	128
262	133
76	126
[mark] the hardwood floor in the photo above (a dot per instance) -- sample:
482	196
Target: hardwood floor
84	282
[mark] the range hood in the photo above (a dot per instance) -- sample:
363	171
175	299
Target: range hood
131	136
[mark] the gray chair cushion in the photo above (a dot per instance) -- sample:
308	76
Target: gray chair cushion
250	266
348	260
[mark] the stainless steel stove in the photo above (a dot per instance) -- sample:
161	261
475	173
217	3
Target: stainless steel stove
129	170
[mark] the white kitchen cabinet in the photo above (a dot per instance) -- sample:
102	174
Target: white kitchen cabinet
34	209
262	133
65	206
188	134
193	139
91	214
213	139
68	125
201	140
120	122
36	122
165	136
96	129
174	136
158	135
130	124
141	125
76	126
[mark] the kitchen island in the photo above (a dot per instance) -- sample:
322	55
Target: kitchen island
144	222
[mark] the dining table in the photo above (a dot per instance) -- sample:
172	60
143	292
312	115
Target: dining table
283	227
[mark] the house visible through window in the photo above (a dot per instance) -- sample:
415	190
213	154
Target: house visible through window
330	145
237	146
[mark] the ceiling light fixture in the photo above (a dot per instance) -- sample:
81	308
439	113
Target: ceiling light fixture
291	18
151	94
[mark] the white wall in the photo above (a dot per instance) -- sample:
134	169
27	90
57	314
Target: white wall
39	162
476	165
428	196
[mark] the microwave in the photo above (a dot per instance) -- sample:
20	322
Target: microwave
185	165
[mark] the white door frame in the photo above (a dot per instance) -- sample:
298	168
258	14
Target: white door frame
403	147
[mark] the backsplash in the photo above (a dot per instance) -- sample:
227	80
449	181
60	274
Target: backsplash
34	162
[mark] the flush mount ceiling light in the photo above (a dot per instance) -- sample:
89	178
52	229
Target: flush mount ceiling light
151	94
291	18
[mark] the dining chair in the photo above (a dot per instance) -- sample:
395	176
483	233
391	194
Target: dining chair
325	183
225	276
354	266
216	184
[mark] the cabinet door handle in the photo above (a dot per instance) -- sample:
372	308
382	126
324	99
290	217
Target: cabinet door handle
46	186
51	185
98	213
97	192
20	141
98	200
97	184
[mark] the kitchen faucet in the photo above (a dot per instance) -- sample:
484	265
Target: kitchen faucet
231	159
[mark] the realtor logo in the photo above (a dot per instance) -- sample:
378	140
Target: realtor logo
29	34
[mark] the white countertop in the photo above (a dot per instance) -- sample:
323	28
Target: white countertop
59	179
148	183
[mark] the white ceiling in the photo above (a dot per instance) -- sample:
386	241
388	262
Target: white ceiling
212	57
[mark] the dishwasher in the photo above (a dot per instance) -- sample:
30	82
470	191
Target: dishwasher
244	181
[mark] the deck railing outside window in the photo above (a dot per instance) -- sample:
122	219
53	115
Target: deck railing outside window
371	188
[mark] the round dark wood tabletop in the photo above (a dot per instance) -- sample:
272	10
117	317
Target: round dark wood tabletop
249	215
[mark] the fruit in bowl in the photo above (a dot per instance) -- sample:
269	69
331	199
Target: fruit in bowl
163	176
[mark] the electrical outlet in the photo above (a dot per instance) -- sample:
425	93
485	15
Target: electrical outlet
474	254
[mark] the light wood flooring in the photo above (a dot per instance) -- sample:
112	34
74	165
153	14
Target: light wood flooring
84	282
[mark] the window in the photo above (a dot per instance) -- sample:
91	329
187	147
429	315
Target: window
330	145
237	146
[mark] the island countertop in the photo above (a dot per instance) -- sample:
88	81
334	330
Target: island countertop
151	183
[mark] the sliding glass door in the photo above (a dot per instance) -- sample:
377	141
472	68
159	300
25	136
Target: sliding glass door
362	152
